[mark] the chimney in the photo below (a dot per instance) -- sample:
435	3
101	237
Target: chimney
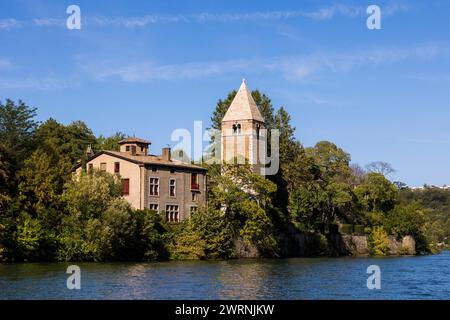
89	151
166	154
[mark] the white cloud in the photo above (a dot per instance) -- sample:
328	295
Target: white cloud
49	22
291	67
5	63
324	13
150	71
142	21
40	84
8	24
132	22
320	62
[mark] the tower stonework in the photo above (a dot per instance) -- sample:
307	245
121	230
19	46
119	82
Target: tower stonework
243	131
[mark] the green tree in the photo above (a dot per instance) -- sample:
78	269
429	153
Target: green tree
333	162
290	151
406	220
111	142
42	180
151	240
90	194
289	147
207	233
71	140
17	129
188	244
320	189
376	193
245	199
17	140
104	227
86	198
5	172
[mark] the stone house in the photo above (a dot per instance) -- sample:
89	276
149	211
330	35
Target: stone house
155	182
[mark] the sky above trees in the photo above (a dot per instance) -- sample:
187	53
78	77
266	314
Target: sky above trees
149	67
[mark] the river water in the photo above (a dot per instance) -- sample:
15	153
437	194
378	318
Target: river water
422	277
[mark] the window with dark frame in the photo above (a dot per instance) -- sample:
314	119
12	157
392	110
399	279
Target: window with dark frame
193	209
154	186
116	167
172	212
172	188
194	181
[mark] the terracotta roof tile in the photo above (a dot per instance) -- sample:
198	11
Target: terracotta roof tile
152	159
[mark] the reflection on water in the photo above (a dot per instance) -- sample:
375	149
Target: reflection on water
232	276
299	278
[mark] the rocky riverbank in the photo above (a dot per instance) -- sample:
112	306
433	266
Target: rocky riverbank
313	244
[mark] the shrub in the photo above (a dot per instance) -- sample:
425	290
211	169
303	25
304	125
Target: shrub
206	234
378	242
358	229
346	229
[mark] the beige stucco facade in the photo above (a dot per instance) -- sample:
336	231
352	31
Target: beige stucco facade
128	170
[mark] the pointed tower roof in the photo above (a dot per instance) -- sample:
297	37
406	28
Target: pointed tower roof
243	106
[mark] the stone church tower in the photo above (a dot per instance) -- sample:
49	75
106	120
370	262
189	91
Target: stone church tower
243	131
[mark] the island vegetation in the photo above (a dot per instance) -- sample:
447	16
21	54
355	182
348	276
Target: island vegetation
46	215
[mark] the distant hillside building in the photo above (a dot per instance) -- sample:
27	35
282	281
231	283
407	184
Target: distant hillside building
243	128
156	182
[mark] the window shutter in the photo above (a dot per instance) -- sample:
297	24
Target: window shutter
126	187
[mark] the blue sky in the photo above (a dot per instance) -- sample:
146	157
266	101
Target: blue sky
149	67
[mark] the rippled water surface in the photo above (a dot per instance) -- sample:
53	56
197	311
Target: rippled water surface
425	277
